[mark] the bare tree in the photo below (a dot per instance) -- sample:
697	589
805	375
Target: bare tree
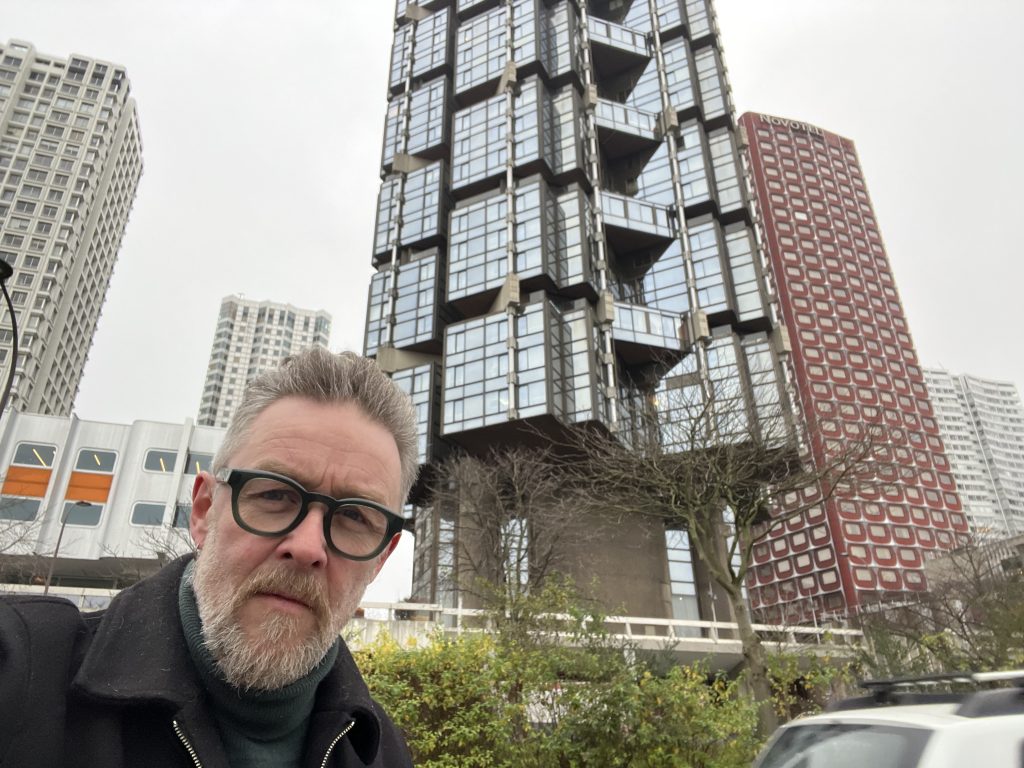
17	536
516	522
972	617
18	540
726	475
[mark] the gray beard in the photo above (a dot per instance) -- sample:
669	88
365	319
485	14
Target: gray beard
279	650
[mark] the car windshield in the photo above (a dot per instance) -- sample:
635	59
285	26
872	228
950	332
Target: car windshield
846	745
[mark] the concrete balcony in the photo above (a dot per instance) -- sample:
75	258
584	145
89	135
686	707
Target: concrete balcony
636	230
616	49
644	335
623	131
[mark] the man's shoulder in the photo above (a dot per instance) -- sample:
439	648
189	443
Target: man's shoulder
34	628
31	612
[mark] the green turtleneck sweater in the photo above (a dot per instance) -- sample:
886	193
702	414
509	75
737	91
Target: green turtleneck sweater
259	728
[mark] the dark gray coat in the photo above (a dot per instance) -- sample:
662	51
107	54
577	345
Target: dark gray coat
118	689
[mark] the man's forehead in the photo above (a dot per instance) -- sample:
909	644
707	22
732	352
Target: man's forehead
298	424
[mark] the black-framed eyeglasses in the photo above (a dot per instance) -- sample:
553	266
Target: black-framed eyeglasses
268	504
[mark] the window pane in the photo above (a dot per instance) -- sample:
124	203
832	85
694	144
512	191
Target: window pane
96	461
147	513
198	462
182	514
34	455
18	509
82	512
161	461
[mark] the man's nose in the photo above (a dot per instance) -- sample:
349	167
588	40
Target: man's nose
305	545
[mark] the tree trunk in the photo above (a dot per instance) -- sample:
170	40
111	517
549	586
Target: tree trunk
757	668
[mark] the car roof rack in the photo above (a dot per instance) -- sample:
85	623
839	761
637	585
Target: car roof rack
892	692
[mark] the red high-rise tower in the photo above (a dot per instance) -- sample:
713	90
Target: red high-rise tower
856	373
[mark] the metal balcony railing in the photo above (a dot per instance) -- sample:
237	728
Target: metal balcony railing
646	326
617	36
626	119
637	215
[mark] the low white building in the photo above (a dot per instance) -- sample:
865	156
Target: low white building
116	496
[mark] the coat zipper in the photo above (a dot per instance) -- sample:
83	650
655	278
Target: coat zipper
187	745
195	758
330	749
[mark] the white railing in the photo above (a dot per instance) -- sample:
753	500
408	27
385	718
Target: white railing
409	622
405	621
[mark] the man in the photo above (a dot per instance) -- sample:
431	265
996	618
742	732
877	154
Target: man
234	658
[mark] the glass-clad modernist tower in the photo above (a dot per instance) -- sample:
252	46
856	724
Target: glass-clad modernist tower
858	378
562	234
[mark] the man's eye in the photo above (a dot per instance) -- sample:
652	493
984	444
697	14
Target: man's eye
276	495
354	515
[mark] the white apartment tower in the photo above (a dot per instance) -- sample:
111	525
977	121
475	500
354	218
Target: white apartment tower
982	425
70	162
252	336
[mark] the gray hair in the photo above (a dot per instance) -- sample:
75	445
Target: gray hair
319	375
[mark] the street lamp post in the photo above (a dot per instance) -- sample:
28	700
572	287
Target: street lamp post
6	270
56	549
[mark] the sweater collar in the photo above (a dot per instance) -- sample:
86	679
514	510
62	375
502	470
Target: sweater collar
266	715
139	654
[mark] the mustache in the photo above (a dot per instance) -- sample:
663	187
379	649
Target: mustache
303	588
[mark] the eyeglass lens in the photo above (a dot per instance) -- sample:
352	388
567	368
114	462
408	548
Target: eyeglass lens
270	506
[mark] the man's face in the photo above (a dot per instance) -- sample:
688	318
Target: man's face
272	607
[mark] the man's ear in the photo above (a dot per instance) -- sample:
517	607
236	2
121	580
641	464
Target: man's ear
202	502
383	556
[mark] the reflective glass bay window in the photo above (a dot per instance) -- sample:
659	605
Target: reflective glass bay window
423	385
713	95
576	372
414	323
706	249
556	367
476	373
377	323
698	17
532	333
693	164
746	281
423	216
548	239
427	125
477	240
743	373
726	162
546	130
478	142
639	215
416	303
682	581
481	49
540	34
426	43
766	386
422	209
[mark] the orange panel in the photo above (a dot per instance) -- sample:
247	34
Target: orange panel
85	486
27	481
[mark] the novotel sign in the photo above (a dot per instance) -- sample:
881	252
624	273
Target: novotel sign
791	124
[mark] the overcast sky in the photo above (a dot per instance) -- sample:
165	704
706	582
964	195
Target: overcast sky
261	127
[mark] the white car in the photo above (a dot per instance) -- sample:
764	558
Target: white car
892	729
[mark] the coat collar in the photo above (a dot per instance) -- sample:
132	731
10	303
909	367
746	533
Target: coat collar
138	654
